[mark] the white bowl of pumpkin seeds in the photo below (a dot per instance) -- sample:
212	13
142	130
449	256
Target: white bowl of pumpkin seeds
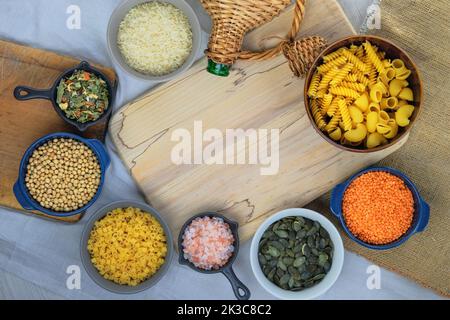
297	254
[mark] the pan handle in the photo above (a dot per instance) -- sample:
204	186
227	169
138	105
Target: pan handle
27	93
240	290
21	197
84	65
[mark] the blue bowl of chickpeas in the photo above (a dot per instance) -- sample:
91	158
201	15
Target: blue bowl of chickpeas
363	94
61	174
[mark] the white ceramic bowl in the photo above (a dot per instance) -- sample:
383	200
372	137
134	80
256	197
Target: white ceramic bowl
121	11
321	287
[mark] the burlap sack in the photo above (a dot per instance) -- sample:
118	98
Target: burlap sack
422	28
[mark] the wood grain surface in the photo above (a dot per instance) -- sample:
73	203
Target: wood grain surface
23	122
255	95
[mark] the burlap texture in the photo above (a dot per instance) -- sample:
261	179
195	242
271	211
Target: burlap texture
422	28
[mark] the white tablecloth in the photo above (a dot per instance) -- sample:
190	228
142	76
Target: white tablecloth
40	251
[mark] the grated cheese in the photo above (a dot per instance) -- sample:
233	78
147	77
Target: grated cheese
155	38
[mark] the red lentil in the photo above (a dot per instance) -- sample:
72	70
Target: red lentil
378	207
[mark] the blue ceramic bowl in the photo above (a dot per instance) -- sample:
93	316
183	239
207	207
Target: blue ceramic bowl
421	208
21	191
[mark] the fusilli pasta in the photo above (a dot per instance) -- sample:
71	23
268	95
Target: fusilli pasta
361	98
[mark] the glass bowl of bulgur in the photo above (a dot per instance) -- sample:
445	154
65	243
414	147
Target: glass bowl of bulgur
126	247
380	208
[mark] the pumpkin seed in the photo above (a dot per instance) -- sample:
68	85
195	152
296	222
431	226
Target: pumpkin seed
292	270
323	257
311	231
317	244
296	225
271	274
301	234
263	242
288	261
313	260
290	253
302	268
297	249
283	226
281	265
266	270
308	224
267	234
273	263
292	235
322	243
311	268
306	250
299	261
295	253
305	275
284	242
285	279
281	233
276	279
262	259
277	245
301	220
311	242
291	243
280	273
320	276
323	233
274	252
291	282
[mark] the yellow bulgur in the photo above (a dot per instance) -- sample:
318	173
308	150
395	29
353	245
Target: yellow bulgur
127	246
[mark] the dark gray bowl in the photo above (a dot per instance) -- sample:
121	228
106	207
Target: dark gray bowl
93	272
113	27
23	93
239	288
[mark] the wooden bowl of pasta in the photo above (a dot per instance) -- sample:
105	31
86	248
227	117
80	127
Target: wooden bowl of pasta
363	94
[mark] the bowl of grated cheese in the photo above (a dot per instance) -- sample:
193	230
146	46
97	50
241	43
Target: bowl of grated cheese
154	40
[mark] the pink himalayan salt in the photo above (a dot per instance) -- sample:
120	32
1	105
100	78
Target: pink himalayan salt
208	243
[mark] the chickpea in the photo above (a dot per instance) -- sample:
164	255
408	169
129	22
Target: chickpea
63	175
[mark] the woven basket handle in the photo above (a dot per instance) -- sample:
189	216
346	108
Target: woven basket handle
299	13
299	53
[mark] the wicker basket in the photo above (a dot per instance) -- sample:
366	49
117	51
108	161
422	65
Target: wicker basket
232	19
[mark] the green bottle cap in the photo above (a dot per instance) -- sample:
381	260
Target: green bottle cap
218	69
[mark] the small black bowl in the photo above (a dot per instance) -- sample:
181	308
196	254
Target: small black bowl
240	290
26	93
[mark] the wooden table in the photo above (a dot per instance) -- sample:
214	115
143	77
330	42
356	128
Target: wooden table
13	287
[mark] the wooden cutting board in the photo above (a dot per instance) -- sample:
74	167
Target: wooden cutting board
23	122
256	95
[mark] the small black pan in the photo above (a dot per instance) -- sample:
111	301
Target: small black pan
27	93
240	290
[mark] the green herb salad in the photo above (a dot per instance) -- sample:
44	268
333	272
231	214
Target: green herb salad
83	96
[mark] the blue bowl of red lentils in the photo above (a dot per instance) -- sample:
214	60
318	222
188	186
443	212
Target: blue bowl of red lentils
379	208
